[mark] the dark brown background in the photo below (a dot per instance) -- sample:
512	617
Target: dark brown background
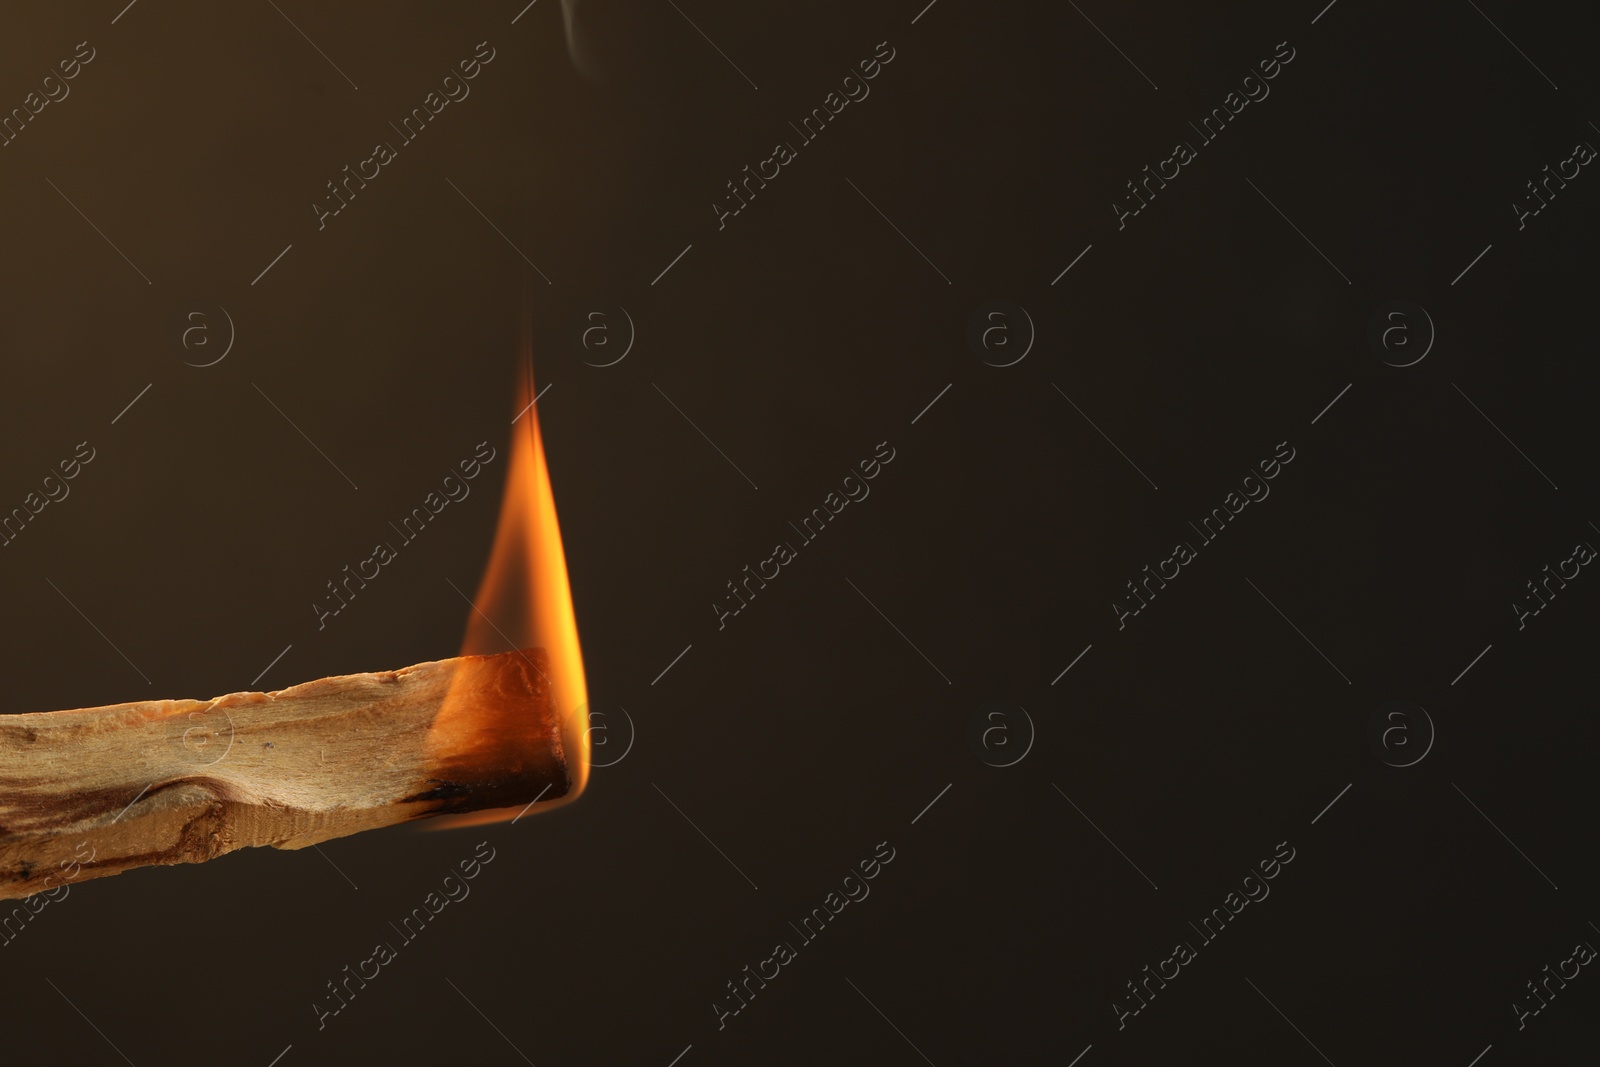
797	339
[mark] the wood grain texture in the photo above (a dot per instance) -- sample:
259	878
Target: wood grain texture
185	781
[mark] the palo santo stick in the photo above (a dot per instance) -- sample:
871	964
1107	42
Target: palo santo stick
184	781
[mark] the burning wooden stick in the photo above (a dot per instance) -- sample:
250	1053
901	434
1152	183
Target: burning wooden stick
184	781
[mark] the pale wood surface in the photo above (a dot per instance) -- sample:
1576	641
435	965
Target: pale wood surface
184	781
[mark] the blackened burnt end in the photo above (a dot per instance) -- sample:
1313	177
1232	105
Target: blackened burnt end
505	747
495	791
441	791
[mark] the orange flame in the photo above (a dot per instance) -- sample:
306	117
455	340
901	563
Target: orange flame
525	600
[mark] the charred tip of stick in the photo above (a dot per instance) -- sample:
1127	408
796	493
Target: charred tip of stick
442	791
550	781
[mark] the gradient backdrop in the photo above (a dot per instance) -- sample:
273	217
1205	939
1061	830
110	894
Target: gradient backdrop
961	615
